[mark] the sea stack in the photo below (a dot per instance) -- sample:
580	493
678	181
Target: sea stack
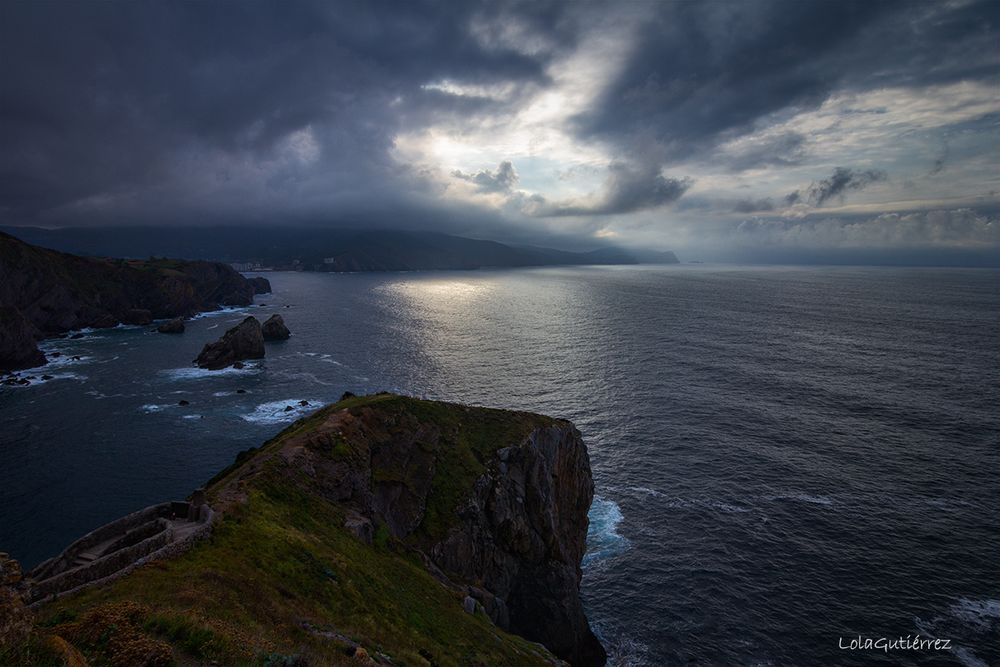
260	285
174	326
274	328
244	341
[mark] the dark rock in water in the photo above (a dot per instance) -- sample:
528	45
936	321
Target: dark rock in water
347	394
55	355
174	326
76	357
260	285
303	403
76	336
137	316
288	408
274	328
47	377
244	341
18	348
239	364
241	391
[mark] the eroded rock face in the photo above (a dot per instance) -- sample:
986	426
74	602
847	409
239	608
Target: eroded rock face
18	348
522	533
516	538
15	619
57	292
274	328
244	341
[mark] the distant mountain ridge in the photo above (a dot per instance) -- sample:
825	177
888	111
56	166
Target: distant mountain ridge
321	249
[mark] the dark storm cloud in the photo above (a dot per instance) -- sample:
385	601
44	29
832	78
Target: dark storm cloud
502	180
842	181
105	100
753	205
702	72
627	189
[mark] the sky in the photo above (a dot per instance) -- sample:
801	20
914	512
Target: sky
747	130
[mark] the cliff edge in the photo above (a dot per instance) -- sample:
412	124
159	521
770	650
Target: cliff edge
44	292
385	528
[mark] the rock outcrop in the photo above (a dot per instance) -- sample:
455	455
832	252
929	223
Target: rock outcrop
505	518
57	292
174	326
260	285
244	341
15	619
18	345
274	328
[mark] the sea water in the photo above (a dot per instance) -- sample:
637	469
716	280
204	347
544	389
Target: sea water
786	459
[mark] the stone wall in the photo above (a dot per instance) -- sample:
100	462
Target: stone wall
103	571
63	561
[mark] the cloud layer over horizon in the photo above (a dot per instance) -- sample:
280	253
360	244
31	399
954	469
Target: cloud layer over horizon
720	130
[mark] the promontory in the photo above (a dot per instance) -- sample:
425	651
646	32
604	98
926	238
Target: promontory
380	530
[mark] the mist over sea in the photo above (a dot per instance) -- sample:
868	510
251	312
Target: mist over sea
783	456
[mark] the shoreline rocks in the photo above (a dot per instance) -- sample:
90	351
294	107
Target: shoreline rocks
260	285
274	329
18	346
56	292
174	326
244	341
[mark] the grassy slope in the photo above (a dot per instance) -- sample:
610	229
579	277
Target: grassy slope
282	558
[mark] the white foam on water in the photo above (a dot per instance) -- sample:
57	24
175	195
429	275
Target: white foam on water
981	614
275	412
195	373
190	416
220	394
603	539
968	658
150	408
37	381
802	498
225	310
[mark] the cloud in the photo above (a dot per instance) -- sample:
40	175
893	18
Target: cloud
627	189
502	180
701	74
842	181
753	152
753	205
956	228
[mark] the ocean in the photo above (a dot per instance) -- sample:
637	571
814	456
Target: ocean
787	460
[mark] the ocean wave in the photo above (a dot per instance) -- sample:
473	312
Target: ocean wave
277	412
225	310
603	539
150	408
983	615
802	498
195	373
37	380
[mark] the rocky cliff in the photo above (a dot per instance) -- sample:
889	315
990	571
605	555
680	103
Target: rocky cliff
390	529
56	292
